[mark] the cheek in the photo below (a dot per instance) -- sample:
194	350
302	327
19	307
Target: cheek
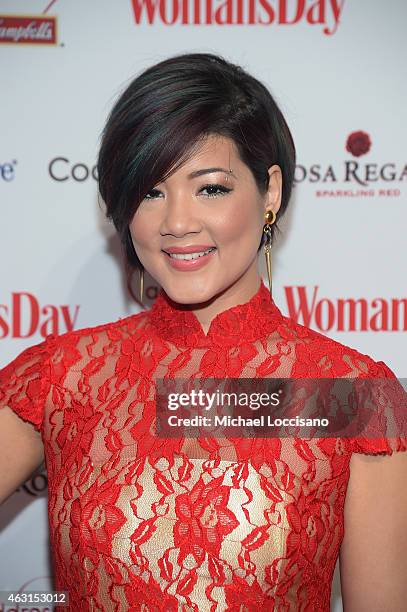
140	230
242	223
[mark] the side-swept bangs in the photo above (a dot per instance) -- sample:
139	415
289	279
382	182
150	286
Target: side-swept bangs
160	119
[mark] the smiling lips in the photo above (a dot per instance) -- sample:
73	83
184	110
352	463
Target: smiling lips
191	257
191	248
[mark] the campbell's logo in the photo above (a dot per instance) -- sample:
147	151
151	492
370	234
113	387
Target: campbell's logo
357	177
306	307
323	13
24	317
29	29
8	171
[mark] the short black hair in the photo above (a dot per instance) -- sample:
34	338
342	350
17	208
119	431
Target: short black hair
166	111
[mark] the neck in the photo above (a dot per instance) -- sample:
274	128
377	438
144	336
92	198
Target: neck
239	292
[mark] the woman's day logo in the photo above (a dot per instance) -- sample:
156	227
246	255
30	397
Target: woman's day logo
323	13
24	316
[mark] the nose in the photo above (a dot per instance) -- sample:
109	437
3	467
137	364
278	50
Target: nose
180	216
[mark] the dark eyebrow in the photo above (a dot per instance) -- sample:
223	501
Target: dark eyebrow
208	170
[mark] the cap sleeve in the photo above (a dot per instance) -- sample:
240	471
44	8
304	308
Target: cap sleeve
393	408
24	383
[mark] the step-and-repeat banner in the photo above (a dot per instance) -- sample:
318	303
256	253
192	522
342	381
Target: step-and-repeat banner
335	67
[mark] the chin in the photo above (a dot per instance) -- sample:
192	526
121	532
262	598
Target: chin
188	293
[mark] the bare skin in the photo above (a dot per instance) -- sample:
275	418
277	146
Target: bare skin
179	212
22	451
373	554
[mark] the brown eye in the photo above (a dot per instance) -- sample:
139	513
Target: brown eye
152	191
216	190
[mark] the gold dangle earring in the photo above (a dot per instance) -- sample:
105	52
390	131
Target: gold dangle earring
141	278
269	218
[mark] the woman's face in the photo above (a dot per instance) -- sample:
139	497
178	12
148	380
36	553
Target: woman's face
204	206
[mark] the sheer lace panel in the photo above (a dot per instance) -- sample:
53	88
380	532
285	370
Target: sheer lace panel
139	522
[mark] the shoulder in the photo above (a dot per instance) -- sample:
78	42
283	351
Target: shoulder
77	345
328	357
25	381
374	546
89	353
315	355
106	334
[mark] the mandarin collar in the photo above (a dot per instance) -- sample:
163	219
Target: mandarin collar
234	326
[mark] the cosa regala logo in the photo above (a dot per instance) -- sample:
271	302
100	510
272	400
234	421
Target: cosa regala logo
340	180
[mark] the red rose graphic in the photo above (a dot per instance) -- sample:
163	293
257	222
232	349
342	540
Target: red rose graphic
358	143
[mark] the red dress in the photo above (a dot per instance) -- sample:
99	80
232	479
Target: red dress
139	522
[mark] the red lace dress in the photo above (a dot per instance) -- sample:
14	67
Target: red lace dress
139	522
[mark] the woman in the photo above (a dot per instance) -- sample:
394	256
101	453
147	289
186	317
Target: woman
196	162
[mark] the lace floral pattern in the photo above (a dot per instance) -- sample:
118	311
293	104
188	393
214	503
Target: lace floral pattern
140	522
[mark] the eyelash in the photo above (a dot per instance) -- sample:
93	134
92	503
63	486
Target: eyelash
221	188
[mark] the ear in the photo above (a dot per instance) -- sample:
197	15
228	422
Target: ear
275	189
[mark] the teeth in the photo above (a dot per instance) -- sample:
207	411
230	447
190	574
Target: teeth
188	256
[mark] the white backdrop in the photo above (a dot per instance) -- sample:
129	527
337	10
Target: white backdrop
335	67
